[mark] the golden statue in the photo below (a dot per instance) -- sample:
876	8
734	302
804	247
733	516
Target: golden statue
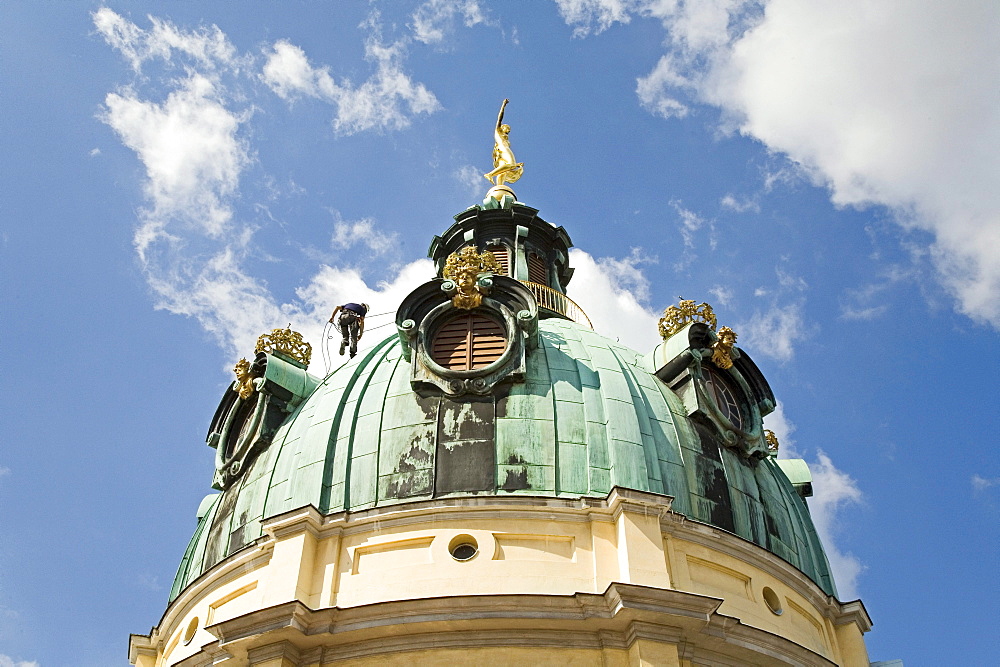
505	168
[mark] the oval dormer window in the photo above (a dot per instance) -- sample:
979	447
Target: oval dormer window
467	342
722	392
242	422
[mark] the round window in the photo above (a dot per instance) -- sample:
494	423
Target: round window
722	392
772	601
463	548
191	629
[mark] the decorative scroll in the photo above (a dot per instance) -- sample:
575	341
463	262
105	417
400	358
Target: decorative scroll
676	317
463	268
286	342
723	348
772	441
244	379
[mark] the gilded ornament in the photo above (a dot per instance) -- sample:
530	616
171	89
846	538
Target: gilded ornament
463	268
286	342
722	349
505	168
677	317
244	379
772	441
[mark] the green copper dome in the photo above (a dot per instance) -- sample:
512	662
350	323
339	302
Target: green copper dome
583	415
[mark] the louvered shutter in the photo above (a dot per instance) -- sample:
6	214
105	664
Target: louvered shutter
467	342
503	258
538	272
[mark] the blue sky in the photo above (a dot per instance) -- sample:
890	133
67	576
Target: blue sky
180	177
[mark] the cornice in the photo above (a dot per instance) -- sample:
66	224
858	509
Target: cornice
619	617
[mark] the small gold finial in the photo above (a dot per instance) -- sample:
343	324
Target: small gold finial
722	349
772	441
676	317
244	379
286	342
463	268
505	168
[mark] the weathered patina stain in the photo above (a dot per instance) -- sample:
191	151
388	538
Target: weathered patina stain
711	477
415	458
429	406
466	446
516	480
219	535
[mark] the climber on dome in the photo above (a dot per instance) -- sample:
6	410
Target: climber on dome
351	324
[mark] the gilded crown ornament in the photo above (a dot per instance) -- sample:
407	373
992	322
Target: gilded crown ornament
244	379
506	169
463	268
286	342
676	317
772	441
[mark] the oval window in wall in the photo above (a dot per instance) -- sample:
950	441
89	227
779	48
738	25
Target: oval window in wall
242	423
724	396
467	342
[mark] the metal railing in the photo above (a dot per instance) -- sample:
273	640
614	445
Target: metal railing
557	302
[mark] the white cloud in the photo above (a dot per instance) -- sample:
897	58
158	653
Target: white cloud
596	16
435	19
789	282
782	428
7	661
385	101
472	179
775	331
191	246
4	471
191	151
625	273
689	225
980	483
690	222
834	491
347	234
740	204
288	73
377	102
723	295
654	89
894	103
208	46
606	297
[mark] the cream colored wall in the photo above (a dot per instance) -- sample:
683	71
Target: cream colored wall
662	656
554	548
